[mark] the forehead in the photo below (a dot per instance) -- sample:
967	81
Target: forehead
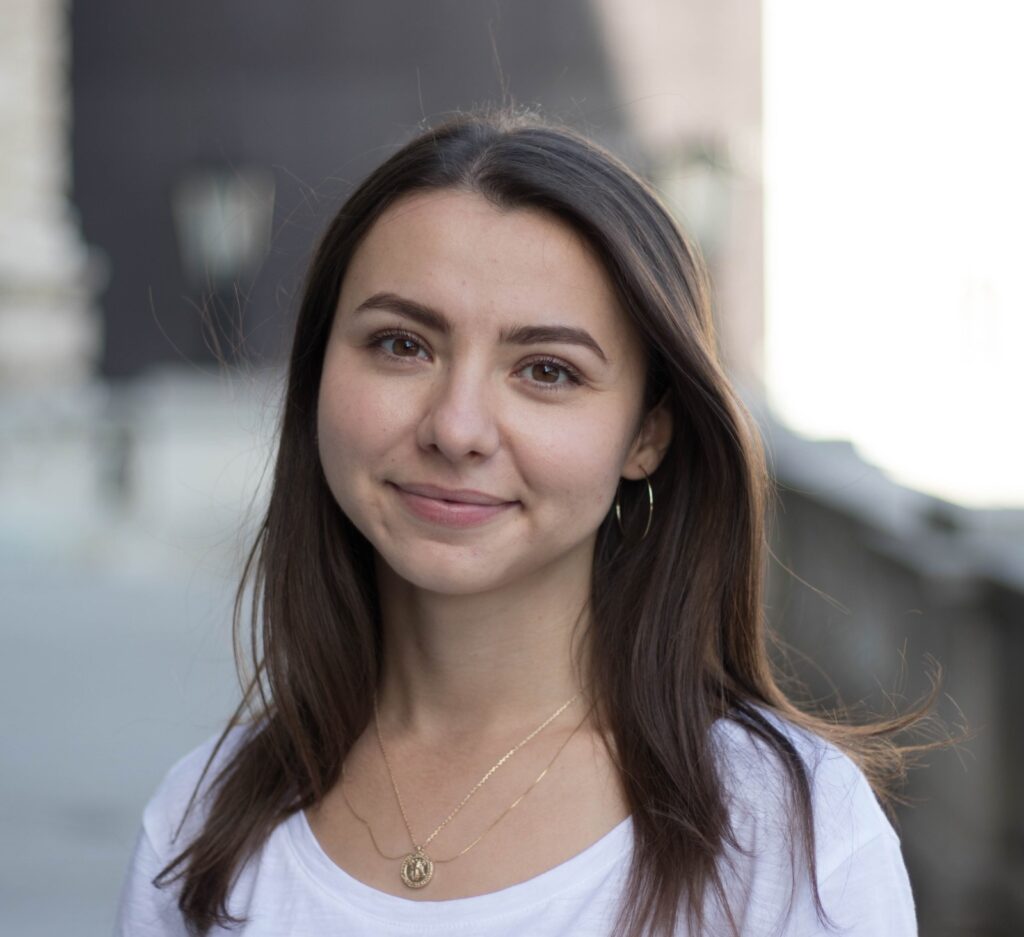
479	264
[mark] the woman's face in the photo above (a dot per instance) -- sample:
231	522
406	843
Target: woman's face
440	370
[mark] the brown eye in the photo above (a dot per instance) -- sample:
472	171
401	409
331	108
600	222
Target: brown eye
403	347
546	373
404	344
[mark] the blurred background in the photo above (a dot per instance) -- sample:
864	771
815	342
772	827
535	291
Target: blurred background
853	174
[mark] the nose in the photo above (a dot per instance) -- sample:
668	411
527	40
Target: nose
458	418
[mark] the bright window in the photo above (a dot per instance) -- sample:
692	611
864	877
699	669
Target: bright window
894	204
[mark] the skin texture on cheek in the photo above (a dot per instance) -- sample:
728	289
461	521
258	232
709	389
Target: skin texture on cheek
574	460
356	424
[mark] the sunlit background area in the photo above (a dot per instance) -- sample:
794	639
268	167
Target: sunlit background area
852	172
894	304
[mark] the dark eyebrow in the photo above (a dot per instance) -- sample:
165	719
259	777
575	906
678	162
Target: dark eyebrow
516	335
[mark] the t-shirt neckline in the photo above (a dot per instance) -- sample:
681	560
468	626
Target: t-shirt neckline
575	872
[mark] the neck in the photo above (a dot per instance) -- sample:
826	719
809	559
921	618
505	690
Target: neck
477	666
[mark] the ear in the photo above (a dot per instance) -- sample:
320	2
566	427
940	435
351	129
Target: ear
651	442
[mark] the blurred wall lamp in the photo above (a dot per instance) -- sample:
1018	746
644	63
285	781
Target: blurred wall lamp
695	181
222	217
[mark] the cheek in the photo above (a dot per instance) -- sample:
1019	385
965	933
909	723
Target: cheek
354	412
578	459
355	425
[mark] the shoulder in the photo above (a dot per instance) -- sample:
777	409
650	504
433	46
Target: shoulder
858	863
144	908
763	799
185	782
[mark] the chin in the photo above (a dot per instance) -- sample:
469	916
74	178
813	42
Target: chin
445	570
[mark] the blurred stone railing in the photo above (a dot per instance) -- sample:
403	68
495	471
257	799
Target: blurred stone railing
881	577
166	470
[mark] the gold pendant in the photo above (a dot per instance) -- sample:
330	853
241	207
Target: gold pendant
417	869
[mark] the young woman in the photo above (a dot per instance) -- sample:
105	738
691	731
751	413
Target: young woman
510	668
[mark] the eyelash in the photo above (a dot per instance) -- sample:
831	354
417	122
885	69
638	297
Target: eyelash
574	376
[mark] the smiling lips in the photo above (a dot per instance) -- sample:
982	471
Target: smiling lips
459	507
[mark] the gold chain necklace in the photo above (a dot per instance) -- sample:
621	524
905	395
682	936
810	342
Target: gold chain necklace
417	867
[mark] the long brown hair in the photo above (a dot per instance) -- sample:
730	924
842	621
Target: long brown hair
677	637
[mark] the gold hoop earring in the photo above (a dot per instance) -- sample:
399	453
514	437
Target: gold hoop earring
650	505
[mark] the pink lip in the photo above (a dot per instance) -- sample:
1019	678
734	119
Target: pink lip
450	513
464	495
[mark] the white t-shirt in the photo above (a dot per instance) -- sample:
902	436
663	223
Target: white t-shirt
291	887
